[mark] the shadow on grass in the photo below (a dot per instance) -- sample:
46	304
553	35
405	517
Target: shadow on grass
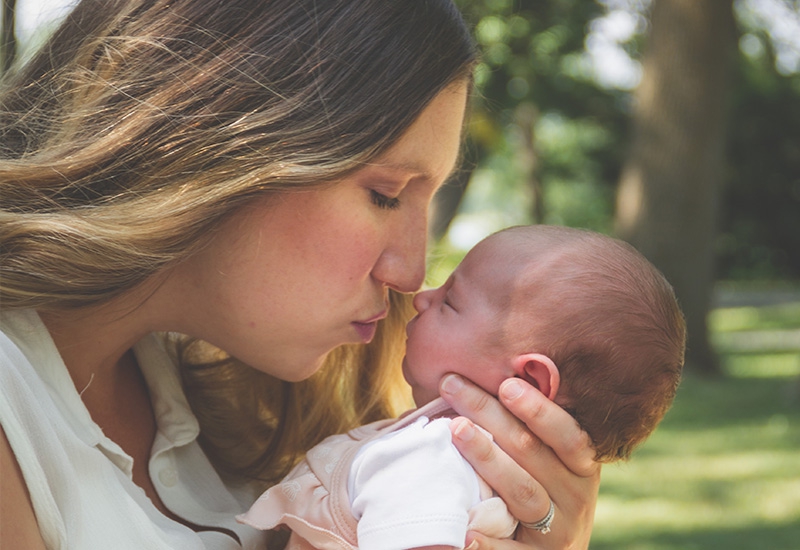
724	458
703	404
768	537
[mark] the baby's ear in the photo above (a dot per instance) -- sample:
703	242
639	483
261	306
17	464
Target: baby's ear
540	371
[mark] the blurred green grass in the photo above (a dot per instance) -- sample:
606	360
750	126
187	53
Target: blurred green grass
722	471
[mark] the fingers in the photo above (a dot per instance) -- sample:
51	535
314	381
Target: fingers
524	470
509	432
523	495
477	541
551	424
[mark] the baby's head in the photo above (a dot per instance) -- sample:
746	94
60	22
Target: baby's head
584	317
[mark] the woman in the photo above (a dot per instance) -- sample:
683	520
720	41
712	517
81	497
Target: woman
255	176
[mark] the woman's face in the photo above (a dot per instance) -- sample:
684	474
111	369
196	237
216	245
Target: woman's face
297	274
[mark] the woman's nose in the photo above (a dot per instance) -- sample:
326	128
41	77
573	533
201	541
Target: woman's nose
401	273
401	266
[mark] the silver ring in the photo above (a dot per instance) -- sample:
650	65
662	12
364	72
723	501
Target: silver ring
543	524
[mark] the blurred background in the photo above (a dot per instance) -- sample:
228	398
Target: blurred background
675	125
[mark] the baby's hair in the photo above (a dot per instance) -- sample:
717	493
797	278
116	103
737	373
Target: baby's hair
612	324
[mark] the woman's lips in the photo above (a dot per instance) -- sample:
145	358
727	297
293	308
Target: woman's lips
366	331
366	328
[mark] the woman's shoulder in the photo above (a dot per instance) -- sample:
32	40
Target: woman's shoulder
21	328
29	358
24	343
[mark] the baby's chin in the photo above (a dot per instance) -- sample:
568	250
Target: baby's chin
423	396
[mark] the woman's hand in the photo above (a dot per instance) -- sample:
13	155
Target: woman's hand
540	454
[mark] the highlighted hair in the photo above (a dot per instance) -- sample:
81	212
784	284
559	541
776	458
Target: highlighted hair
142	124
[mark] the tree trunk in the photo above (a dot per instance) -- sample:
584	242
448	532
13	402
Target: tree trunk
8	40
668	192
447	201
526	116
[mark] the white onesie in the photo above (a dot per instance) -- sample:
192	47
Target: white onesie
390	485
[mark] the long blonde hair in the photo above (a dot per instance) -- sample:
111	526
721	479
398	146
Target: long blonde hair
143	124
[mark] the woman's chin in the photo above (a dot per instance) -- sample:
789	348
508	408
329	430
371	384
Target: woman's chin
297	372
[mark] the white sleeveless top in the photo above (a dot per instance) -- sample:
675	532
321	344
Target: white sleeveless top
80	481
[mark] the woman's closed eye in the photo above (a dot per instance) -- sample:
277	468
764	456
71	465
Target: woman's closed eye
382	201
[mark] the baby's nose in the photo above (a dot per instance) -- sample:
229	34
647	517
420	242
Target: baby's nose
422	300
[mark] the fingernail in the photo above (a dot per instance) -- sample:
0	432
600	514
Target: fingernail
452	384
464	431
473	545
511	389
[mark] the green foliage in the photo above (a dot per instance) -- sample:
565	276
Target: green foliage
534	57
572	152
760	226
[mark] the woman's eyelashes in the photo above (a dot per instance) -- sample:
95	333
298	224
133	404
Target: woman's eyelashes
382	201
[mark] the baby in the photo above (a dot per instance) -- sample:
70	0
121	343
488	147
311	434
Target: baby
583	317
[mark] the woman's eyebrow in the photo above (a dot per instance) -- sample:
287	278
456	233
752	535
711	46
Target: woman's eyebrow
413	169
407	169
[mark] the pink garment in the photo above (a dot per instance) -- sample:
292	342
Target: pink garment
313	501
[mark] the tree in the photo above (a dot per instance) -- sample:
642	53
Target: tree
760	225
531	72
8	41
669	186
